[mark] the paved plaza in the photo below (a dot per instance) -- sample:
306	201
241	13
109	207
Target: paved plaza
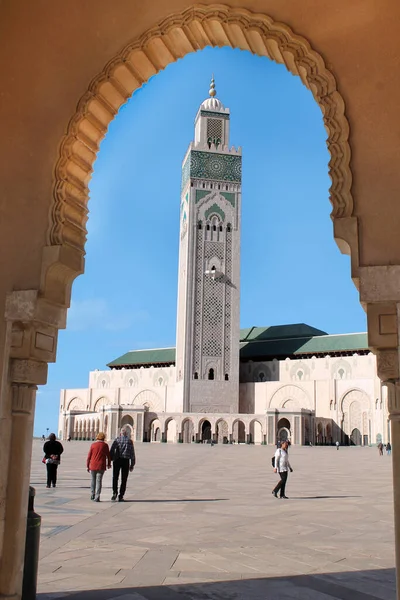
200	523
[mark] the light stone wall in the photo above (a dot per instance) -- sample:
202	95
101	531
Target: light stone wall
338	392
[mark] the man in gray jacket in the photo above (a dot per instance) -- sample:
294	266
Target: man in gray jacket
282	466
123	459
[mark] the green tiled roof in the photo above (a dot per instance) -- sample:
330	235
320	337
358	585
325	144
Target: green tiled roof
278	332
156	356
320	344
263	343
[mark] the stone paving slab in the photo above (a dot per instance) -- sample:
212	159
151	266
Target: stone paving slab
201	523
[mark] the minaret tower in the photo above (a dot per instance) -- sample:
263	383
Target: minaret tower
207	345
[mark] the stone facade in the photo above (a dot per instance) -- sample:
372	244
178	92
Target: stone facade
317	400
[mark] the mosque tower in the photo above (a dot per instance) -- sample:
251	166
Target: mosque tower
208	320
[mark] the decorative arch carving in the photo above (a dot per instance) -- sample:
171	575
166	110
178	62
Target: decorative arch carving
300	371
341	369
355	395
100	402
181	33
76	404
150	399
285	393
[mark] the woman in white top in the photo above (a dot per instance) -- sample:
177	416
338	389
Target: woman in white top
282	466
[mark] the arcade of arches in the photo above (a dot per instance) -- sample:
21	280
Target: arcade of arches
57	112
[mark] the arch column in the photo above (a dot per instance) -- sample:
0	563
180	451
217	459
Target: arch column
380	295
30	343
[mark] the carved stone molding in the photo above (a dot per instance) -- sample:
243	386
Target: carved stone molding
179	34
34	325
32	372
23	399
394	400
387	365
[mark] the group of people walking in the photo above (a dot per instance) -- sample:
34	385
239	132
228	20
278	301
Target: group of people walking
384	448
99	459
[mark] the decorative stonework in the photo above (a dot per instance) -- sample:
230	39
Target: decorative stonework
290	392
28	371
215	210
23	399
218	167
178	35
149	399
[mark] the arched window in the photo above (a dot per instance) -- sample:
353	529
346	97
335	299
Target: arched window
208	226
300	375
160	381
341	373
220	227
130	382
211	374
199	225
226	377
228	228
196	375
214	228
261	376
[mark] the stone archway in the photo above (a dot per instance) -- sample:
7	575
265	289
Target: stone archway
187	431
239	432
221	432
181	33
177	35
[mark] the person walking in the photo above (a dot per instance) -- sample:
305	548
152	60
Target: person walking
123	458
337	445
282	466
388	448
52	456
380	449
98	459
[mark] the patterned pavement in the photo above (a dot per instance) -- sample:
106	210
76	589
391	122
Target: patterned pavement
200	523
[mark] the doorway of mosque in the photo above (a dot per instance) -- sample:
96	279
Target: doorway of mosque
206	431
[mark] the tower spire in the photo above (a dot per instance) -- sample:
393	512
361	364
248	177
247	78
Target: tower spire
212	91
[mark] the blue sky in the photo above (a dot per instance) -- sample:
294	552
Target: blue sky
291	268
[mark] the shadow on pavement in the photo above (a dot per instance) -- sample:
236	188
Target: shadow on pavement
374	584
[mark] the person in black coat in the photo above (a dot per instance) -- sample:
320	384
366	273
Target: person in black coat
52	453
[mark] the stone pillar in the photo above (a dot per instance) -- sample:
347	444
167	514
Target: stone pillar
30	343
24	375
394	410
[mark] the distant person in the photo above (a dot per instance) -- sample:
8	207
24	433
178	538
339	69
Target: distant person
282	466
337	445
123	457
43	438
380	449
52	456
69	438
98	460
388	448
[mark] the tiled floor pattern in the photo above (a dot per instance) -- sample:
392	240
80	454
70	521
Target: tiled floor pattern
200	523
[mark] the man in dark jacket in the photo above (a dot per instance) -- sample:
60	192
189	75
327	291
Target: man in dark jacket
123	458
52	453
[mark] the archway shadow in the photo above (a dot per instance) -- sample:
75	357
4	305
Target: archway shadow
371	584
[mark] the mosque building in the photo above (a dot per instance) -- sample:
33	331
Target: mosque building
221	383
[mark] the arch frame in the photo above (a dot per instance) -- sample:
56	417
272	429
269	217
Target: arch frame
182	33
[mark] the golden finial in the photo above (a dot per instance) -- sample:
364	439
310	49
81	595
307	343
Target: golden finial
212	91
